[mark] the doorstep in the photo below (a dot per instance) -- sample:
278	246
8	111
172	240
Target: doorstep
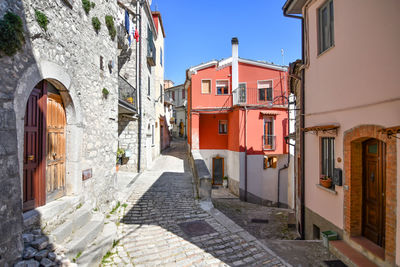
349	255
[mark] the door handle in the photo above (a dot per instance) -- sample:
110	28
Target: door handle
31	157
54	155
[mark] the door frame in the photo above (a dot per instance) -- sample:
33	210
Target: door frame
223	167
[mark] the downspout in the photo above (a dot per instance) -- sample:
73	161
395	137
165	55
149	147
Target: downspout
288	159
245	153
139	81
302	200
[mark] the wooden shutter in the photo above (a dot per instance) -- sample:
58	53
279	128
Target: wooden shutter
206	87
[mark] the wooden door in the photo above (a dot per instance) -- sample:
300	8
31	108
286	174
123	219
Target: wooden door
55	153
374	191
218	170
34	141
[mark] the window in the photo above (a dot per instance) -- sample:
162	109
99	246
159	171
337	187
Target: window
325	26
148	85
161	93
264	90
160	56
222	127
222	87
270	162
242	92
173	95
327	156
269	137
206	86
183	94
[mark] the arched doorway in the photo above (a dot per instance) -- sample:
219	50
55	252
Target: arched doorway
374	191
44	147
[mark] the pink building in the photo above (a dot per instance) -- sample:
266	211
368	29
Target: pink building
237	119
350	128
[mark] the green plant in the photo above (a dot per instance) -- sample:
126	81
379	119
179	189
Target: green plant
120	152
110	26
92	4
41	19
115	208
115	243
77	256
105	258
97	25
11	34
124	205
86	6
79	206
105	93
225	177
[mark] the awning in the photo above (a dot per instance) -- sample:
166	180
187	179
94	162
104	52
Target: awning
321	128
270	113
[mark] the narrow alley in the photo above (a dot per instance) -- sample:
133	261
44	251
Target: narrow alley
164	225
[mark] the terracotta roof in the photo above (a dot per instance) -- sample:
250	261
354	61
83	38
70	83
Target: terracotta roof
321	128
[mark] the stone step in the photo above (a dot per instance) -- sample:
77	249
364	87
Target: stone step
51	215
349	255
369	249
73	223
84	236
93	254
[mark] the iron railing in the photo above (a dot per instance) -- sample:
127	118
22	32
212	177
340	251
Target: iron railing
258	96
269	142
127	93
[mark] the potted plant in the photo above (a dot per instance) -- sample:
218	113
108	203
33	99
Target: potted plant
225	181
325	181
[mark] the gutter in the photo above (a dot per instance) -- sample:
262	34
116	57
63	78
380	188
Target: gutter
302	109
139	81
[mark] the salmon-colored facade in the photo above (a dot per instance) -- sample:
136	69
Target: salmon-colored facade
223	125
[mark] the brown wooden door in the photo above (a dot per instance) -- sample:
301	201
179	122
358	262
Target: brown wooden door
218	170
374	191
55	156
34	140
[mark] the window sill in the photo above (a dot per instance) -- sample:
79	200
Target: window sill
325	51
332	191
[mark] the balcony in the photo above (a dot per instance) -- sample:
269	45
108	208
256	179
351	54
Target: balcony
258	96
151	52
127	101
269	142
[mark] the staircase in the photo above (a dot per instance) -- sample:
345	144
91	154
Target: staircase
77	231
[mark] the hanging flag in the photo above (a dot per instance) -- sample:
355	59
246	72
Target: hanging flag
127	21
136	35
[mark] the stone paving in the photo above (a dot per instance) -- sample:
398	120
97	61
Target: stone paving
149	231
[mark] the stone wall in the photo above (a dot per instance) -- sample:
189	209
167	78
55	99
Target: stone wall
68	56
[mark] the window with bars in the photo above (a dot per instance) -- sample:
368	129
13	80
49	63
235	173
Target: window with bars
222	87
206	86
148	86
327	156
242	92
264	91
325	26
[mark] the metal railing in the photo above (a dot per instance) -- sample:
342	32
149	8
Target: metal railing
258	96
269	142
127	93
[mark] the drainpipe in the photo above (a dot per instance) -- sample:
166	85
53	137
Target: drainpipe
139	80
288	159
302	109
245	154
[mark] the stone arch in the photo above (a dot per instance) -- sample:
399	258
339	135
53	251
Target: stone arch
57	76
352	145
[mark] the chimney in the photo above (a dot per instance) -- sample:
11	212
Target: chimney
235	67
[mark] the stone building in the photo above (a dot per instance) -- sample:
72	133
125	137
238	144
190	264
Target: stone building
178	95
64	99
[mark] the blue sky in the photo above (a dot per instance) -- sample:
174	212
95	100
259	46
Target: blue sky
199	31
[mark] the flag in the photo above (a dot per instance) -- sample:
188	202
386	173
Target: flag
136	36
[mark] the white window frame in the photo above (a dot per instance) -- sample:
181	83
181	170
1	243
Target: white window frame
201	86
226	123
216	86
266	93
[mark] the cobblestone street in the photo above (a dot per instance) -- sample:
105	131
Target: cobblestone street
162	224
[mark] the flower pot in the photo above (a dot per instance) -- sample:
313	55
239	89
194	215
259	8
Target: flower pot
225	183
117	167
326	182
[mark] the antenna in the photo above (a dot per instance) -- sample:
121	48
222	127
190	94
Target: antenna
283	57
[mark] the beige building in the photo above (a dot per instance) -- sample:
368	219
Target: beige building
350	128
178	96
